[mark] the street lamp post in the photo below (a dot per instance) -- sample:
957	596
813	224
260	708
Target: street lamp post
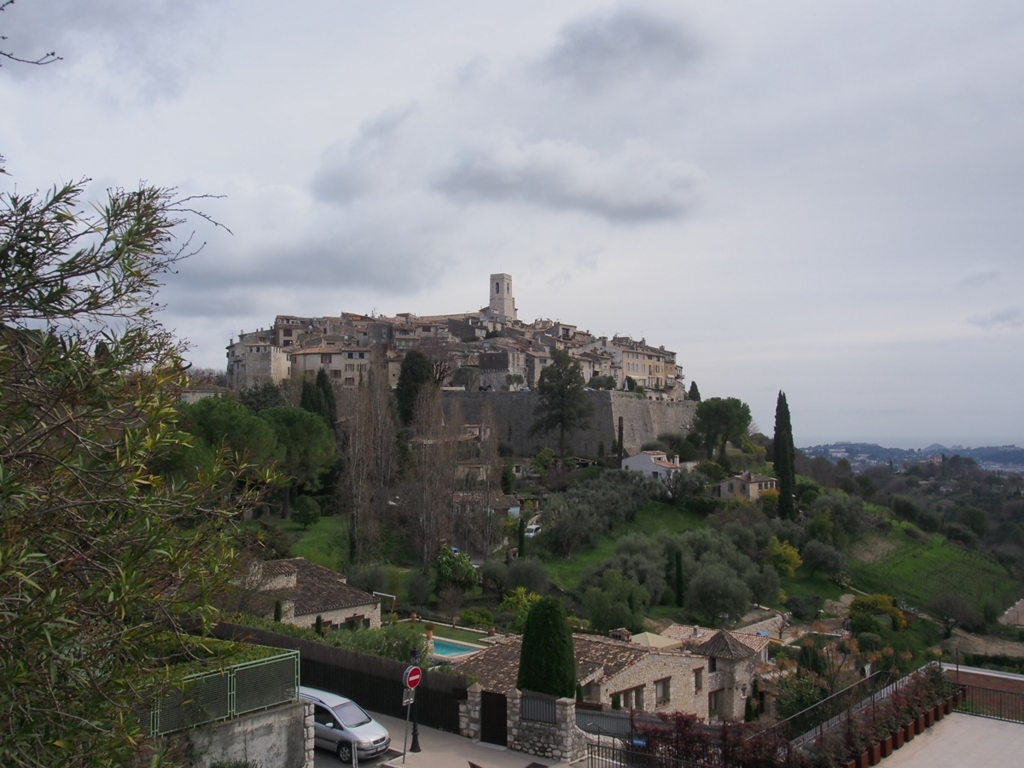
414	658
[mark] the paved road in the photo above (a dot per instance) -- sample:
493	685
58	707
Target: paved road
439	750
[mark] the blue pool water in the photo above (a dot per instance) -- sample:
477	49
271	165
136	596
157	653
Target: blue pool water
451	648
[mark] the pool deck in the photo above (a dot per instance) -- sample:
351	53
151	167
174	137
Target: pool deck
963	740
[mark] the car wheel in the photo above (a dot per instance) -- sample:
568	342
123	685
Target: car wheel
345	752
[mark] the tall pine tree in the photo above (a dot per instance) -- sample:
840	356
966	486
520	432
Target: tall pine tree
784	458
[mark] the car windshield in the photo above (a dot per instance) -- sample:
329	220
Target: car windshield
350	715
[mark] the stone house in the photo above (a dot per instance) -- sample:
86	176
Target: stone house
308	590
747	486
731	664
607	670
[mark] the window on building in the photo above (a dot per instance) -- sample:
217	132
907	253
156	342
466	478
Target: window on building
350	366
287	331
714	701
350	381
325	359
698	679
662	691
712	664
633	698
335	374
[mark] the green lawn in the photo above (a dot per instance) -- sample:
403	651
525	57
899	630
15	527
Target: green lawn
656	517
324	543
918	570
803	585
443	630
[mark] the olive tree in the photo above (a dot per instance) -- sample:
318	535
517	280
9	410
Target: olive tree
102	560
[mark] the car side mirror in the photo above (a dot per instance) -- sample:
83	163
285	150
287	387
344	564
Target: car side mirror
328	725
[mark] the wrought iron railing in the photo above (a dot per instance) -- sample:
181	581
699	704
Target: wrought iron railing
988	702
209	696
537	707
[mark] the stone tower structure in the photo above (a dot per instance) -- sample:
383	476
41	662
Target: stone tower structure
502	304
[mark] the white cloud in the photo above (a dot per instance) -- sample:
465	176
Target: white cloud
633	185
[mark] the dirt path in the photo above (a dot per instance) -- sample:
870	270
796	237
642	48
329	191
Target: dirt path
989	646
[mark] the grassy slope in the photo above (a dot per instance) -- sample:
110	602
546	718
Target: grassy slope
913	569
654	518
324	543
918	570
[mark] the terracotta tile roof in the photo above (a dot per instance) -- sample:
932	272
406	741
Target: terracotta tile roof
724	645
689	635
691	640
317	589
597	659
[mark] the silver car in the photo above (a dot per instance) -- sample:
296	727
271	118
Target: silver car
340	723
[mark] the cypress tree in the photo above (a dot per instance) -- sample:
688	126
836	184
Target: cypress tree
694	393
522	537
547	661
416	371
784	458
311	399
328	401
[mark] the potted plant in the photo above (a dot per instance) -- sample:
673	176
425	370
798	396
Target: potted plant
856	740
428	629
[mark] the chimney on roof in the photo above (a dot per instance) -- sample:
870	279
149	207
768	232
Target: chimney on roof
621	633
696	630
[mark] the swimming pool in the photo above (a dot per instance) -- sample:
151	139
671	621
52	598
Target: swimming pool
451	648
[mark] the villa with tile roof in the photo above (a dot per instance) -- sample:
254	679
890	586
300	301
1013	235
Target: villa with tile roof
638	677
308	590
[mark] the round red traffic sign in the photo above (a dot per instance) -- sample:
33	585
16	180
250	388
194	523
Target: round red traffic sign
412	677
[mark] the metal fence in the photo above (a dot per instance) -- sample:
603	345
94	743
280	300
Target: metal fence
613	723
988	702
209	696
538	707
375	683
615	755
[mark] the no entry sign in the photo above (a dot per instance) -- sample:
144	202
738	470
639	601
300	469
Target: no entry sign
412	677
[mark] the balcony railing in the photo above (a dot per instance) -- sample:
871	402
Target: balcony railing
206	697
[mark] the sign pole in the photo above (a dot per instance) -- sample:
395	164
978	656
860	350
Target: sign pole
405	738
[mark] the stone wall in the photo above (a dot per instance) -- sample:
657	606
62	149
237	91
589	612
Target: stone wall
658	665
561	741
469	713
279	737
642	419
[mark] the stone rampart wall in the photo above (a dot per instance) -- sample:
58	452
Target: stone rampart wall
642	420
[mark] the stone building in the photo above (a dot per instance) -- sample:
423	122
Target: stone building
747	486
307	590
608	670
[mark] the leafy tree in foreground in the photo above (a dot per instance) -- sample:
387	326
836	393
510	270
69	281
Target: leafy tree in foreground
101	560
563	404
547	661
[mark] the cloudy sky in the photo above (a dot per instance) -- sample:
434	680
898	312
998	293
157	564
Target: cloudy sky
823	198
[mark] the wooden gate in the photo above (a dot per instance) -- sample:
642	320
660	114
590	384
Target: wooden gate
493	718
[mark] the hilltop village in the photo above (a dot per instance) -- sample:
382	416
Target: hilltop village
498	351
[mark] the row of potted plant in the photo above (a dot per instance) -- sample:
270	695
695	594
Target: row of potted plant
877	729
